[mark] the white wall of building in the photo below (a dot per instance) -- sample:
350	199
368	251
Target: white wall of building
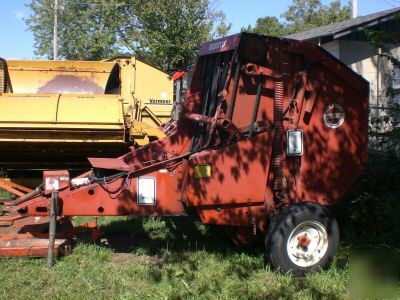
363	58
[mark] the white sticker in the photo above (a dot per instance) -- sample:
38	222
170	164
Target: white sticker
76	182
217	45
146	190
52	184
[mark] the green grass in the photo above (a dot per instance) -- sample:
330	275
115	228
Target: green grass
162	259
148	258
3	193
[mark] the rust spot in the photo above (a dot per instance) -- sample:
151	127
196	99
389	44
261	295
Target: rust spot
303	241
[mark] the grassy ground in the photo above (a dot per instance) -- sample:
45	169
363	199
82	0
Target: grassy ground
182	259
162	259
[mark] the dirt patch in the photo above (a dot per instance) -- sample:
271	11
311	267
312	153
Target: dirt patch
131	258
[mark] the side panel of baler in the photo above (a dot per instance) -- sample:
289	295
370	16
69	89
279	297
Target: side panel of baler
119	197
235	184
336	131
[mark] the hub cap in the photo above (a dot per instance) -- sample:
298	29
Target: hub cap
307	243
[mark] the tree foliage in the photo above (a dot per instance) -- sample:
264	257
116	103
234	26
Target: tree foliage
302	15
85	30
385	127
268	26
165	33
168	33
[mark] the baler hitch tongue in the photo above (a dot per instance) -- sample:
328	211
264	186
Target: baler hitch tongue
28	236
21	246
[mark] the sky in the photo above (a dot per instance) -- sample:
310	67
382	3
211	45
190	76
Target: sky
17	43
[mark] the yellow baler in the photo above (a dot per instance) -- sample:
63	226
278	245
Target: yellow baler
61	112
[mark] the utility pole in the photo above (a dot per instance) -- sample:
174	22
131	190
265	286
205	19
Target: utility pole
355	8
55	54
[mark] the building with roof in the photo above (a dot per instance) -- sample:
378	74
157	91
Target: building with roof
347	40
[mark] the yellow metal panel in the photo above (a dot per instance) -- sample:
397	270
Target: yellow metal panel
28	108
74	111
99	109
144	87
43	125
61	118
127	75
202	171
153	87
58	76
62	142
142	141
2	75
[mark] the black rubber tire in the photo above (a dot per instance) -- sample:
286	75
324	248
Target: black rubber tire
280	228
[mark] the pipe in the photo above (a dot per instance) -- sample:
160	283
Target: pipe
355	8
222	123
229	113
25	197
256	105
278	137
198	118
52	228
378	85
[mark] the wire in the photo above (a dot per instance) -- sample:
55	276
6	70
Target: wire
109	179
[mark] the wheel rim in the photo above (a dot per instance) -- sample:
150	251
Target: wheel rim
307	243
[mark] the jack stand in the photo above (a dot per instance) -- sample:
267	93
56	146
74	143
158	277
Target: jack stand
52	228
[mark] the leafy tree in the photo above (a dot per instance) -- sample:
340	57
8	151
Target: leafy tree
307	14
268	26
303	15
86	31
165	33
385	127
168	33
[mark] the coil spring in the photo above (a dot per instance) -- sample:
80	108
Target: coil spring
277	143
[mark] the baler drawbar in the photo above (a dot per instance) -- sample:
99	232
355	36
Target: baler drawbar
271	133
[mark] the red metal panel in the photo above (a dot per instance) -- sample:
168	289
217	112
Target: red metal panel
119	198
29	247
333	157
224	44
238	173
243	216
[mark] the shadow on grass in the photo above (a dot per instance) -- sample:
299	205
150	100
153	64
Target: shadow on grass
153	236
181	250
